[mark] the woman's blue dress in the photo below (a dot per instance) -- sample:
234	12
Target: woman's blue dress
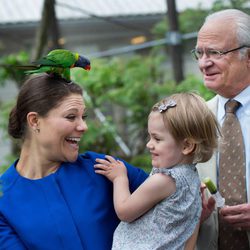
71	209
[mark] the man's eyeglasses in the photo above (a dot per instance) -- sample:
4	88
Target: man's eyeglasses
213	53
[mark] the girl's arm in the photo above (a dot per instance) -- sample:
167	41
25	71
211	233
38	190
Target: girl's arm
131	206
191	242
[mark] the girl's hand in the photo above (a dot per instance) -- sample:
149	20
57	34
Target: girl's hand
110	167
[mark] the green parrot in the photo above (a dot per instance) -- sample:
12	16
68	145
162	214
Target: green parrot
58	62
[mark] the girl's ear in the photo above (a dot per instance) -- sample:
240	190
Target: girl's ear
32	121
188	146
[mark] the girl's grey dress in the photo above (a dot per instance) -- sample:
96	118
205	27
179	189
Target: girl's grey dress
169	223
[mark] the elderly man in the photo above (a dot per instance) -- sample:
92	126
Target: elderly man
223	54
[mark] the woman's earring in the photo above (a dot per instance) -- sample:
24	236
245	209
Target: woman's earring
37	130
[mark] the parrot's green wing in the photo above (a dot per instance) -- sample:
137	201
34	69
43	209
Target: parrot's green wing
58	62
58	58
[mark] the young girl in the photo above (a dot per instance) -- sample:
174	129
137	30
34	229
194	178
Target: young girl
164	212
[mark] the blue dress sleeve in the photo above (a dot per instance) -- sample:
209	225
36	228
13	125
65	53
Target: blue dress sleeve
136	175
8	238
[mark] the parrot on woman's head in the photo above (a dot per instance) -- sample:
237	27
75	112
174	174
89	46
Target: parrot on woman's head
58	62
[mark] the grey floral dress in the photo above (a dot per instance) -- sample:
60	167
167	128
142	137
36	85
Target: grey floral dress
170	223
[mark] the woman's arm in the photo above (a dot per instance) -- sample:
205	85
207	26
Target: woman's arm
131	206
8	237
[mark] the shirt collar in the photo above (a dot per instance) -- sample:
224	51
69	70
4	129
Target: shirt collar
242	97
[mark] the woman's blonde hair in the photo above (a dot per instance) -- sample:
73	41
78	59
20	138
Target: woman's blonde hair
187	116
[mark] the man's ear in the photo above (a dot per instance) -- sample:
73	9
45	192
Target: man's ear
188	146
33	121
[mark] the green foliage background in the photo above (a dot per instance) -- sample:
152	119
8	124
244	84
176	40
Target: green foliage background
133	85
124	89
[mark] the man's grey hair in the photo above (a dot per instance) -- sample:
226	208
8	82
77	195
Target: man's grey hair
242	21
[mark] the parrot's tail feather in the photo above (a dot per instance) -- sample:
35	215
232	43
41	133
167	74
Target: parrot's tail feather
26	67
31	71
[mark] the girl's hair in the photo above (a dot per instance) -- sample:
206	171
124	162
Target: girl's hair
187	116
40	93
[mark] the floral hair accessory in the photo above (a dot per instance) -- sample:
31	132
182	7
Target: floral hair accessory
167	105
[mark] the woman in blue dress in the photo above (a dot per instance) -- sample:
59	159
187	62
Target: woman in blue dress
51	196
164	212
